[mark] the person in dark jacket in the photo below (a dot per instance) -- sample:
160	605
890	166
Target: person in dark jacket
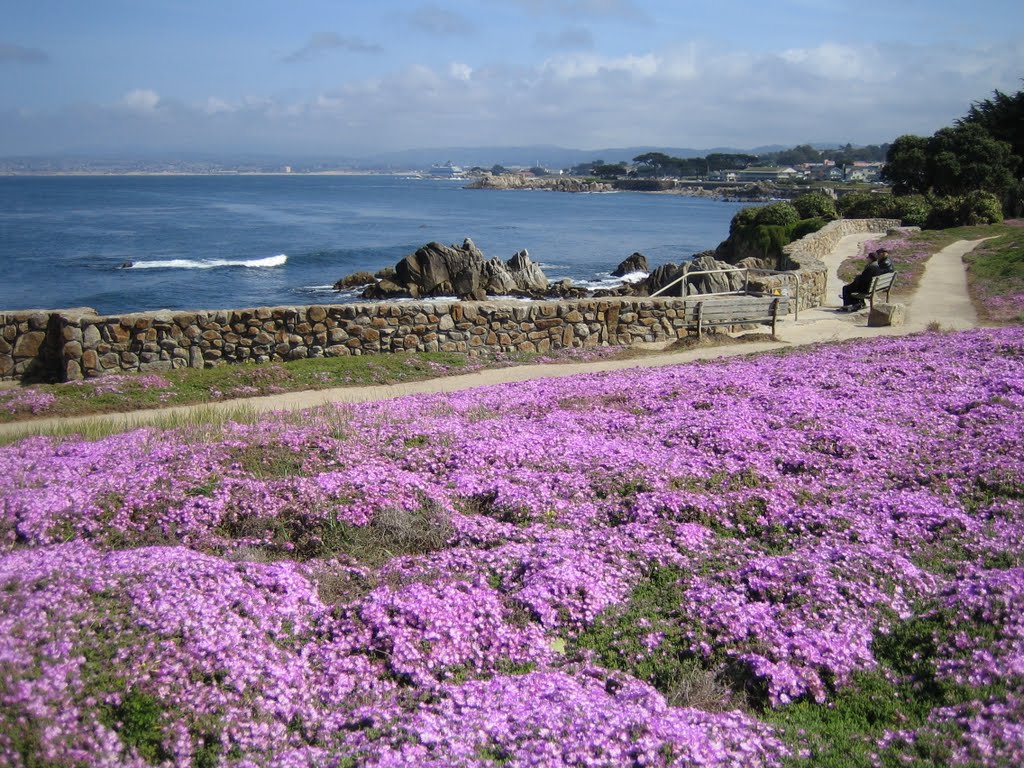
861	283
884	264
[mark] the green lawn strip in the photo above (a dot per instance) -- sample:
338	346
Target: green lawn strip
995	278
188	386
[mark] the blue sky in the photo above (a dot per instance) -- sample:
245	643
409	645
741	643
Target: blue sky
346	77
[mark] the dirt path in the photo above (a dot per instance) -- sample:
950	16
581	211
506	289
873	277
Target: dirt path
941	297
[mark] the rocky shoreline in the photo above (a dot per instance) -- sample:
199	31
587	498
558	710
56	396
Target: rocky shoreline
750	192
462	271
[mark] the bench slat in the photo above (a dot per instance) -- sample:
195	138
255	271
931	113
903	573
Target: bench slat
734	311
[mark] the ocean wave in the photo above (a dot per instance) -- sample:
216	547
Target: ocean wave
269	261
607	281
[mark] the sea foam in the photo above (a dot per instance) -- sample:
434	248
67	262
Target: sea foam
269	261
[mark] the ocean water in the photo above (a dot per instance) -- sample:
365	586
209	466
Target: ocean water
211	242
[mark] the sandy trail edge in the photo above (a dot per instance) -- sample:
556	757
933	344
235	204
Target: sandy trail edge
941	297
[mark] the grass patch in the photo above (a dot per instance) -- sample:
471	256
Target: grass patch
121	393
995	278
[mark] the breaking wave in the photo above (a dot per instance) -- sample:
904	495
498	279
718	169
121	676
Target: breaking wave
269	261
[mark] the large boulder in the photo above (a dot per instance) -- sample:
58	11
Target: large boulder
635	263
445	270
432	270
714	280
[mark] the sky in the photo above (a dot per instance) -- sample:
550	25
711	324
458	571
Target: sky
351	78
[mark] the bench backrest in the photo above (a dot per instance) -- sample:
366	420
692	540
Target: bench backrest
726	309
882	282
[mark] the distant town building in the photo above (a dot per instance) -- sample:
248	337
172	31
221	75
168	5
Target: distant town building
765	174
446	171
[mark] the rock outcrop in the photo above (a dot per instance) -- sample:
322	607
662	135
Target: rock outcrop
637	262
554	183
457	270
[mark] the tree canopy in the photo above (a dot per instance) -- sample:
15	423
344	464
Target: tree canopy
982	152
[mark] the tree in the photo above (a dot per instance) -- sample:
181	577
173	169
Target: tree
804	153
1002	117
718	161
967	158
906	166
608	171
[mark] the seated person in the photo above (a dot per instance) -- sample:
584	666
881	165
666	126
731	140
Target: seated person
884	265
860	284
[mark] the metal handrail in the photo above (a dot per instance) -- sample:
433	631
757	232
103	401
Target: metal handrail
681	278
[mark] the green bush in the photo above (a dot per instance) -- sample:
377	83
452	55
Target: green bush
980	207
911	210
974	208
865	205
781	214
766	241
744	218
806	227
816	205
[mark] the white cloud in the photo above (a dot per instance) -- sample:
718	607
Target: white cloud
583	66
460	71
141	100
833	61
686	95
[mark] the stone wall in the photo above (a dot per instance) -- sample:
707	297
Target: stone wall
66	345
69	345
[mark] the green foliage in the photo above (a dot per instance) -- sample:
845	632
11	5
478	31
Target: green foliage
980	207
806	227
137	721
996	268
816	205
744	217
966	210
967	158
912	210
608	170
864	205
782	214
906	166
983	151
767	240
620	637
1002	117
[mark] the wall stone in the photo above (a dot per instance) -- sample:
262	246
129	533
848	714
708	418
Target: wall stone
63	345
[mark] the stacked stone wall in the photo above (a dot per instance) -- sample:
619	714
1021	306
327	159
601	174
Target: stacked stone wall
81	344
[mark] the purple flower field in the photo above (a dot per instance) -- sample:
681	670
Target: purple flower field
810	558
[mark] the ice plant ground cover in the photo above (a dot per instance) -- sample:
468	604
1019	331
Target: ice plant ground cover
811	558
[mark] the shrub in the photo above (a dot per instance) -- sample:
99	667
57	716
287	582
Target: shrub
805	227
980	207
744	218
974	208
816	205
777	215
912	210
865	205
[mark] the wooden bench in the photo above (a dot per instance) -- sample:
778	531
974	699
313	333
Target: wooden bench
702	312
879	283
